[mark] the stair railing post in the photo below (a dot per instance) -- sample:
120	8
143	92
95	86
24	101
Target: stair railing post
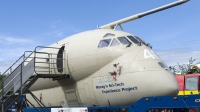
2	96
34	59
10	70
49	56
21	78
2	106
24	56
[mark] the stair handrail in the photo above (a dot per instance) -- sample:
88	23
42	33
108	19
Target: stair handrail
17	61
33	53
23	56
36	51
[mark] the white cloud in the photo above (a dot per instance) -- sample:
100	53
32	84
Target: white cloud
181	55
56	33
4	65
18	40
11	48
55	24
6	40
61	28
190	42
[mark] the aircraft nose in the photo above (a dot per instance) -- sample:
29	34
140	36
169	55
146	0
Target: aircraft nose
166	84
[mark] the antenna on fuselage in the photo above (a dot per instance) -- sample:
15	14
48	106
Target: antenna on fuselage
113	25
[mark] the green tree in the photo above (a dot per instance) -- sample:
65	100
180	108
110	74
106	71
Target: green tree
2	77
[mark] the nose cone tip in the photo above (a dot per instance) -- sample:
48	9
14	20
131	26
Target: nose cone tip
171	87
173	91
168	85
168	90
174	88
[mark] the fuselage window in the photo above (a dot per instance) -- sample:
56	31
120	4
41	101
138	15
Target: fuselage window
123	40
191	83
114	43
133	39
108	35
104	43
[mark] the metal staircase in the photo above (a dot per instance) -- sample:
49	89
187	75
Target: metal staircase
43	62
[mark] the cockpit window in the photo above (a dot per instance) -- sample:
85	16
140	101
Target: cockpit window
140	40
114	43
133	39
108	35
104	43
123	40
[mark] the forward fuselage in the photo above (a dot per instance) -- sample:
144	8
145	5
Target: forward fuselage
106	69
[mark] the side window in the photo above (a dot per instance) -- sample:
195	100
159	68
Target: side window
104	43
123	40
133	39
115	43
191	83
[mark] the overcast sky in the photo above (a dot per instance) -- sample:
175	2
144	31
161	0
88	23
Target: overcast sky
25	24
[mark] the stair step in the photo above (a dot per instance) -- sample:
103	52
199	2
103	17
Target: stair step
32	76
29	79
10	92
7	95
1	101
16	93
25	84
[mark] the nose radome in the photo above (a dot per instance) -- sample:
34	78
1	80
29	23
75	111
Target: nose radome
168	84
173	85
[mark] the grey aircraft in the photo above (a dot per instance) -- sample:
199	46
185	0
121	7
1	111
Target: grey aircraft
104	66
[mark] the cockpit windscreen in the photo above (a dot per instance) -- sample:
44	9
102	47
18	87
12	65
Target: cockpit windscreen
115	43
140	40
133	39
104	43
123	40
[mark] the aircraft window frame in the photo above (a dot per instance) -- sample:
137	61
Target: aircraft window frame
162	65
122	41
136	41
142	41
104	43
139	39
108	35
118	43
191	84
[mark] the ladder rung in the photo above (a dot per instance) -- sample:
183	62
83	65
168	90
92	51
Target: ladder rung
45	62
30	79
7	95
32	76
42	62
45	53
41	58
10	90
26	61
38	67
43	71
49	58
41	67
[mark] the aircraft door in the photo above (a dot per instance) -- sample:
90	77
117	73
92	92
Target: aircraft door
62	60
